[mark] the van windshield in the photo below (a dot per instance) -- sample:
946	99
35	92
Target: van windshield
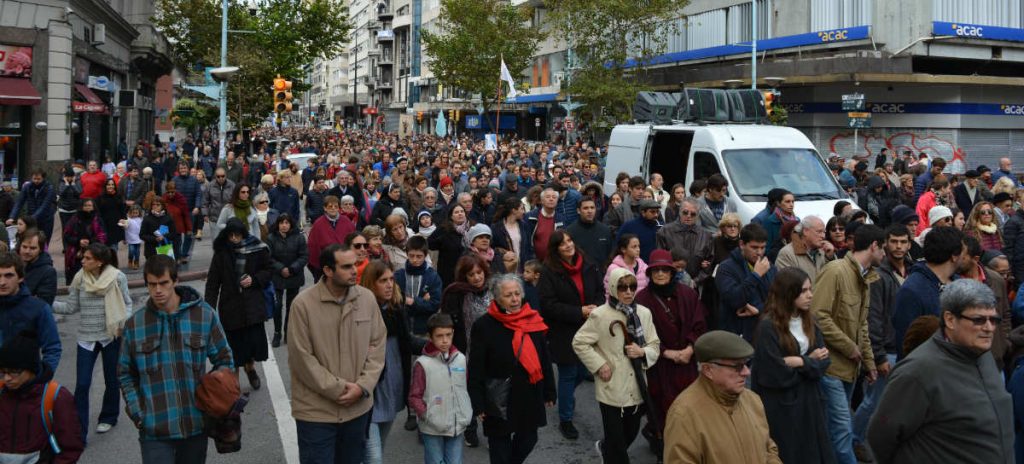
753	172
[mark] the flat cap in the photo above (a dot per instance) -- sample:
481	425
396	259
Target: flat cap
972	174
720	344
649	204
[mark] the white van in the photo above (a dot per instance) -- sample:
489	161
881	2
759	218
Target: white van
754	159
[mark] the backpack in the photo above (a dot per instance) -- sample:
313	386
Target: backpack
50	393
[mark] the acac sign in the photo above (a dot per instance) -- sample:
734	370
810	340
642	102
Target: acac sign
965	30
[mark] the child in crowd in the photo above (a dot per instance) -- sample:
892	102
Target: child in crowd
420	284
426	222
679	260
531	274
132	226
44	424
438	394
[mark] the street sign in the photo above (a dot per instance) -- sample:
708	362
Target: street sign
569	125
536	122
853	102
858	120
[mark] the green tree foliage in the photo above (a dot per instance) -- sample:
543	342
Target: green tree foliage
604	35
286	34
473	36
192	115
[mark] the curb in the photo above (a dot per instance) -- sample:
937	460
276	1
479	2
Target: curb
140	283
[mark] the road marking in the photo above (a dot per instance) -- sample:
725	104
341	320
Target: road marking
282	409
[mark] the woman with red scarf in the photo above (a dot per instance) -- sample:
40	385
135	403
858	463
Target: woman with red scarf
509	342
570	287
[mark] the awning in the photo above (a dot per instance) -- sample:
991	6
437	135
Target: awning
92	103
18	91
539	98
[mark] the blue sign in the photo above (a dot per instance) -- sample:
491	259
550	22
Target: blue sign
978	31
845	34
989	109
508	122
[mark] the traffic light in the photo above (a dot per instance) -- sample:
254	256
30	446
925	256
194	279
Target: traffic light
769	100
419	117
457	114
451	115
282	95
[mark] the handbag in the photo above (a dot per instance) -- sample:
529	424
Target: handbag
497	393
165	248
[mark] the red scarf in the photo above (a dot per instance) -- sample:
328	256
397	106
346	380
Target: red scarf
575	272
525	321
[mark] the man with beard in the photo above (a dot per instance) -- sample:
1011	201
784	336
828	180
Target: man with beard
945	255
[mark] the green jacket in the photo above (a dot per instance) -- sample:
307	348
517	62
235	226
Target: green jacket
841	300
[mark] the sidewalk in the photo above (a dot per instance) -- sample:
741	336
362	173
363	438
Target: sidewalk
199	262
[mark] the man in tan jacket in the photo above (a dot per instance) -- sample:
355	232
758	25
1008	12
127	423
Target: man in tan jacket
841	300
717	420
336	354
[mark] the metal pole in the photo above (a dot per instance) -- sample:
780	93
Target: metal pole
223	85
753	47
855	142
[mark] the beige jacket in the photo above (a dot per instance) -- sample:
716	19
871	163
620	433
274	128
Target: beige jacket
330	344
841	299
595	347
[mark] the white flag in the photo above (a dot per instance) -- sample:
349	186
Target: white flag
507	77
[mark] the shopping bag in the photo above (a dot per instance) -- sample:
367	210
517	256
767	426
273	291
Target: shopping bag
166	248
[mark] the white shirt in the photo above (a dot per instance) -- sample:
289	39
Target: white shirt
796	327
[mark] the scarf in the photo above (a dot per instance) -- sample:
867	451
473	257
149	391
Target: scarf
988	229
664	291
105	284
262	216
575	272
242	210
525	321
486	255
633	325
463	228
783	217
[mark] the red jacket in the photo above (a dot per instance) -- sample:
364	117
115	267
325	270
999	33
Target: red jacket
22	430
322	234
177	209
92	184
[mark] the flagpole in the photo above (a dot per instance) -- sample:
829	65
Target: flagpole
497	120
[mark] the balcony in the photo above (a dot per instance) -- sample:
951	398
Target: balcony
384	11
385	60
385	35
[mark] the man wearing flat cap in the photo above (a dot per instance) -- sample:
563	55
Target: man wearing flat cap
967	194
716	419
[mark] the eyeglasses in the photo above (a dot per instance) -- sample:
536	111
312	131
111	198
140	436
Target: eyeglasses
10	372
688	213
221	177
985	212
837	229
736	367
979	321
264	202
360	246
624	287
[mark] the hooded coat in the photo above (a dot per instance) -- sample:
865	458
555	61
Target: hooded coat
23	431
289	251
238	307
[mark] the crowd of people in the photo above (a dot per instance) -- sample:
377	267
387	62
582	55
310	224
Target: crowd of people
476	288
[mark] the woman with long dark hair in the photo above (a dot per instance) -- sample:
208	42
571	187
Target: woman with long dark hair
393	385
675	201
507	229
789	360
570	287
99	292
83	228
289	255
239	271
241	207
466	300
447	240
112	210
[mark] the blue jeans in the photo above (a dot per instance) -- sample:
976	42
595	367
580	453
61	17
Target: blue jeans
569	377
326	443
185	451
186	245
378	432
111	407
442	450
872	395
133	251
837	395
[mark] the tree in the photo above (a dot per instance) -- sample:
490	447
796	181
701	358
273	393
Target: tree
285	35
473	37
610	44
192	115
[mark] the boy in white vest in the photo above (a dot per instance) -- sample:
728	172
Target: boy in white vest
438	394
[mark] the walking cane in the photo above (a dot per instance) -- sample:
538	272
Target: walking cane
641	377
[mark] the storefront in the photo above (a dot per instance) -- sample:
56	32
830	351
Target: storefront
17	97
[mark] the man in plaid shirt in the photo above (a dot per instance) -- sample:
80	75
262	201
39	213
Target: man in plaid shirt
163	355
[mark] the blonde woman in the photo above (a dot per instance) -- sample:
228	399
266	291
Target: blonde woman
982	226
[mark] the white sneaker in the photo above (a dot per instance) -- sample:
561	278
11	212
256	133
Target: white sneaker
103	428
600	453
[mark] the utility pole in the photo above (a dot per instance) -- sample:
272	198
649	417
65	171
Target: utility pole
223	85
753	45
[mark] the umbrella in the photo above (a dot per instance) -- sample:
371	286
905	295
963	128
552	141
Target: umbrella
641	376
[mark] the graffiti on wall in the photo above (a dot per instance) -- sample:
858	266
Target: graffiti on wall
870	142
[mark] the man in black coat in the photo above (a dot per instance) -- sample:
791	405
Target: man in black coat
967	194
593	237
40	275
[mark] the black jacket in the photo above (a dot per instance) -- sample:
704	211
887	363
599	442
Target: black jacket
41	278
595	239
561	308
963	199
150	224
491	357
292	252
238	307
1013	243
448	244
880	311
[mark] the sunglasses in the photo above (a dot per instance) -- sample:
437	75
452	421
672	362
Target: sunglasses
243	191
736	367
221	177
624	287
360	246
264	202
985	212
686	213
979	321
